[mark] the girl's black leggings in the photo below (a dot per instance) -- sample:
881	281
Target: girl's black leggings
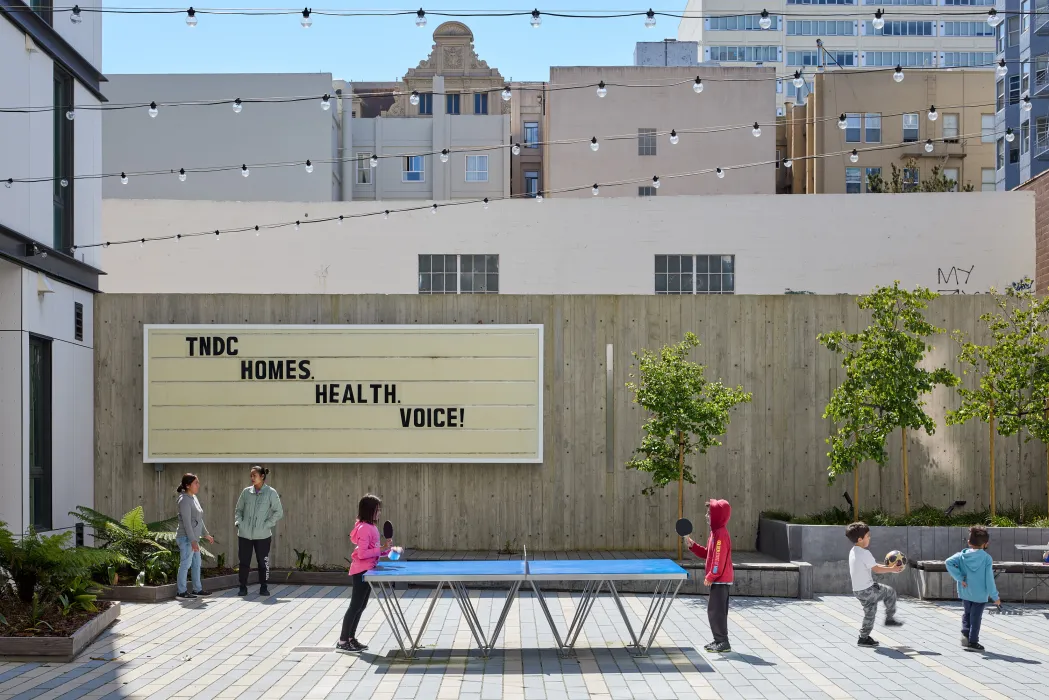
358	600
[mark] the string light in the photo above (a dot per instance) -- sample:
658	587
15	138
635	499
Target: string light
414	99
216	235
992	17
420	18
75	17
601	89
933	114
506	94
306	20
244	170
721	173
756	130
444	155
485	204
296	225
765	22
1002	69
153	110
854	156
181	174
386	215
798	80
70	115
650	23
1026	104
256	231
340	220
539	197
374	161
1009	135
673	137
123	178
309	166
537	19
842	122
595	190
433	209
897	74
326	102
191	17
928	146
237	106
594	145
879	19
64	182
788	163
655	182
516	149
697	87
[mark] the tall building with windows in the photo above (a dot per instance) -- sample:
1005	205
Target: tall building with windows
50	214
1022	40
922	34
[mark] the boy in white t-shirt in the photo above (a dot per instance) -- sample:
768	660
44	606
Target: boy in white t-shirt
862	566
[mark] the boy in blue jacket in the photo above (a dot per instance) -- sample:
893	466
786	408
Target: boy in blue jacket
971	568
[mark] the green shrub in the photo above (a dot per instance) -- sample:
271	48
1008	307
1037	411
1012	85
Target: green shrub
777	515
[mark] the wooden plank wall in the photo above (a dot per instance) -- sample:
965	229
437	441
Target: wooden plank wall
773	456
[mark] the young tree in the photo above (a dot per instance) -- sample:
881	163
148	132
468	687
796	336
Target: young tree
884	382
1012	392
689	414
936	182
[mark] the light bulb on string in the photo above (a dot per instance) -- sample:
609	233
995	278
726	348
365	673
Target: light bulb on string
842	122
386	215
153	111
433	209
256	230
897	74
244	170
309	166
594	145
765	22
64	182
414	99
697	87
798	80
720	173
506	94
216	235
992	17
1009	135
296	225
650	22
142	243
601	89
237	106
339	222
756	130
181	174
788	163
71	114
374	161
75	17
1026	104
306	20
326	102
879	19
929	146
484	204
420	18
191	17
655	182
595	190
516	149
539	197
854	157
673	137
123	178
444	155
1002	69
537	19
8	182
933	114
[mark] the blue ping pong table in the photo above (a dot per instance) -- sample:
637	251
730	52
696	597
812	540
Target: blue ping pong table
595	574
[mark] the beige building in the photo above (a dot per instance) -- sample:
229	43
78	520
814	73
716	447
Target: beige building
917	33
641	119
887	124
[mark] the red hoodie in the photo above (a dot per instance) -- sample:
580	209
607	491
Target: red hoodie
718	551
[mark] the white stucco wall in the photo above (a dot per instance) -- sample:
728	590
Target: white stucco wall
826	244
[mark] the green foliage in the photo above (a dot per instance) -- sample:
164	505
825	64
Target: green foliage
926	515
689	413
80	594
884	381
220	560
303	560
1013	370
44	565
937	182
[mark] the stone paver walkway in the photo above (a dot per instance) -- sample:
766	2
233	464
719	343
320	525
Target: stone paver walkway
280	647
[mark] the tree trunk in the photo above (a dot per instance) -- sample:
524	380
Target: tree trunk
990	429
680	488
906	482
856	486
1047	451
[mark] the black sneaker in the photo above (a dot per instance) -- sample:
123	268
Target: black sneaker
720	648
867	641
242	592
202	593
352	645
893	622
185	596
974	646
343	646
357	645
709	646
264	590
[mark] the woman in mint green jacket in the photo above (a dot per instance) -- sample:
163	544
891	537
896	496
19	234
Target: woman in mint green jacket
258	510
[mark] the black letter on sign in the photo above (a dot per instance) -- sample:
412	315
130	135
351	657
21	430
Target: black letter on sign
419	417
347	394
276	370
191	342
260	369
406	417
205	346
219	345
322	393
438	418
451	418
462	417
230	342
391	393
304	369
289	369
245	369
375	392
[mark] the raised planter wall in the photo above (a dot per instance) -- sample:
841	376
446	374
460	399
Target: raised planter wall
159	594
826	548
59	649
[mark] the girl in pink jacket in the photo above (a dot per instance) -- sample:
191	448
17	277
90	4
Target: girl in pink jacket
364	558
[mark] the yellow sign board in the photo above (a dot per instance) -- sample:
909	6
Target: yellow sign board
283	393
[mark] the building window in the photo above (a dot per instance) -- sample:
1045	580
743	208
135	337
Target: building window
999	91
1025	137
987	181
820	28
968	59
987	128
978	3
870	173
40	433
911	178
646	142
477	168
531	179
364	168
950	126
531	134
999	154
438	274
413	169
853	183
952	175
1013	31
480	274
907	59
43	8
1041	71
967	29
78	321
852	128
1025	77
426	103
1014	153
910	128
1014	89
902	28
750	54
480	103
872	128
740	23
1041	134
451	103
646	191
63	161
812	58
999	37
1025	14
699	274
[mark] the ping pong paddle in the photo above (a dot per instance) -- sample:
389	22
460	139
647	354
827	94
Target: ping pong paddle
387	530
683	527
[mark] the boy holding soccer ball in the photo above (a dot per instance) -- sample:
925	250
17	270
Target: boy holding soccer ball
862	566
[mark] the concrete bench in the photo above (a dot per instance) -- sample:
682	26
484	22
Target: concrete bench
934	583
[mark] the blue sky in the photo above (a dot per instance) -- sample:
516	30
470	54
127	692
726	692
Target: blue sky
368	48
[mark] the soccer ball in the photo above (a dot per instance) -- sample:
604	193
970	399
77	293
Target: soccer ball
895	558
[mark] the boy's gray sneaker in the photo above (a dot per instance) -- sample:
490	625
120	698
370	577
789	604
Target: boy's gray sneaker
893	622
867	641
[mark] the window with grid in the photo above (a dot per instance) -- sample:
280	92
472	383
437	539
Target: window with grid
911	178
999	96
853	181
902	28
950	127
889	59
438	274
413	169
1041	134
364	168
1025	137
646	142
531	134
999	37
480	103
646	191
978	3
952	175
872	128
987	128
852	128
999	154
805	27
452	104
715	274
477	168
1012	31
695	274
1025	77
426	103
910	128
987	180
821	2
1014	89
871	172
44	9
531	181
740	23
765	54
675	274
967	29
479	274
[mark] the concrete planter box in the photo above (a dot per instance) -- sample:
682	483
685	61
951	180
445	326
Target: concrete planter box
59	649
159	594
827	550
310	578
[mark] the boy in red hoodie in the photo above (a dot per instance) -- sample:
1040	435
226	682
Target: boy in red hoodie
718	578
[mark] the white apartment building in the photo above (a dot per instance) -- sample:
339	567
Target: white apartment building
917	34
954	243
50	135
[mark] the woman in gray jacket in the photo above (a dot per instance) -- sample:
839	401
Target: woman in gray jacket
258	510
191	530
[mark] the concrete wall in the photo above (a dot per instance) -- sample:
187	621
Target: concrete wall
951	242
201	136
1039	186
580	115
668	52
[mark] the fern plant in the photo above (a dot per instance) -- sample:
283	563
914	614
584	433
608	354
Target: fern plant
44	565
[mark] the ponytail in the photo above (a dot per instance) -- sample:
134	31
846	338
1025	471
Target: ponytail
187	479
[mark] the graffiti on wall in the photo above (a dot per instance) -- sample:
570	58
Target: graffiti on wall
954	280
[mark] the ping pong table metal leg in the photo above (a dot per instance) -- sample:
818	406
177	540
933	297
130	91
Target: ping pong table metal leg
463	596
549	618
514	588
622	611
663	609
590	593
394	614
